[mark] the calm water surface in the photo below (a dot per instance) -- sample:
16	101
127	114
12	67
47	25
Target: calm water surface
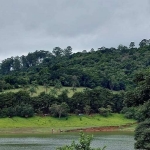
113	141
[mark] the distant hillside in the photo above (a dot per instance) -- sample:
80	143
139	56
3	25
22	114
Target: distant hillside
107	67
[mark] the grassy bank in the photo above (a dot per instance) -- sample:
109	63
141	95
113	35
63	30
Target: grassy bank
45	124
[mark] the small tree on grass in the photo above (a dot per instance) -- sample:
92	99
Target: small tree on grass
2	84
58	85
87	109
59	110
46	86
53	92
25	87
33	88
74	83
84	144
105	111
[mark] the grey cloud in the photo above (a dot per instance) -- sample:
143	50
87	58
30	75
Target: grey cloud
27	25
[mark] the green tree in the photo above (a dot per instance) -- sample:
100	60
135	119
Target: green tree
57	51
143	43
24	110
105	111
16	63
53	91
87	109
46	85
74	82
58	85
122	47
25	87
2	85
6	65
59	110
22	96
33	88
68	51
132	44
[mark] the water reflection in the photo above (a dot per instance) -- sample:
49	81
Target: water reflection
113	141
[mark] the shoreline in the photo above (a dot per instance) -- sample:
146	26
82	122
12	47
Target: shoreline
49	125
104	128
130	127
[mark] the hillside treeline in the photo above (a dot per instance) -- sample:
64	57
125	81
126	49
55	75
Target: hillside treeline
106	67
98	100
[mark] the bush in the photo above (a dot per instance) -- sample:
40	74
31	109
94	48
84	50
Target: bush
11	112
133	113
24	110
84	144
3	112
105	111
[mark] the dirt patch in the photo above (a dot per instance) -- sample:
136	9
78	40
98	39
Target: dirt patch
98	129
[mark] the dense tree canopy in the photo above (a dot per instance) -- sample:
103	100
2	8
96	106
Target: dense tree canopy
107	67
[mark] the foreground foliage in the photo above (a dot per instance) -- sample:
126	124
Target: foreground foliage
84	144
142	135
138	107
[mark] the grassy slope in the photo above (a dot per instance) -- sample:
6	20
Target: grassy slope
42	89
72	121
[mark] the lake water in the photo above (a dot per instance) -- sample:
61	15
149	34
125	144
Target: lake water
113	141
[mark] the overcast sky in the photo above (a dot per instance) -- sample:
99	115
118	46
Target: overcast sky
29	25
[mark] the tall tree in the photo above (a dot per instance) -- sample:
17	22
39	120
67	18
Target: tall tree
6	65
58	85
144	42
132	44
74	82
68	51
57	51
2	84
16	63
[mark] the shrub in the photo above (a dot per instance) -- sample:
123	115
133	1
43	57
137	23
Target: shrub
3	112
24	110
133	113
105	111
84	144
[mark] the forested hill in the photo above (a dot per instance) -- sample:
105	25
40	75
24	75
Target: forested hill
110	68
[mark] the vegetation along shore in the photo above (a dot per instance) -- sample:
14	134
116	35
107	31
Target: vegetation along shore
50	125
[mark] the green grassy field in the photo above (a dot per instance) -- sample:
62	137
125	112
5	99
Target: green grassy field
45	124
42	89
